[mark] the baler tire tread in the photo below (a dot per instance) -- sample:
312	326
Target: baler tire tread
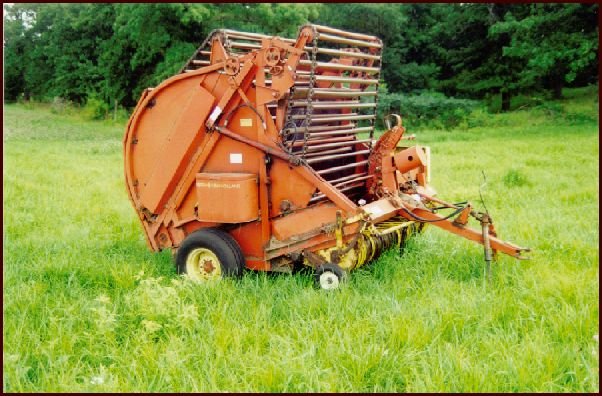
218	241
233	244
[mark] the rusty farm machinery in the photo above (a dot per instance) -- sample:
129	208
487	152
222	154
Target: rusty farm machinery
261	154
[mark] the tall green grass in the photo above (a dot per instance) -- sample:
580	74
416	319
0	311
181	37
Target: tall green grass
88	308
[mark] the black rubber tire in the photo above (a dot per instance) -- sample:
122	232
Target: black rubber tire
219	242
329	267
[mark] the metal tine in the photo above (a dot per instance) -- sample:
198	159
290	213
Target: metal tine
334	105
342	167
341	136
330	51
338	117
343	188
340	179
236	33
358	179
322	196
349	41
336	156
201	62
318	153
334	169
342	132
333	89
253	36
320	128
319	93
340	66
238	44
315	117
304	102
342	94
355	185
329	114
321	141
360	36
335	145
319	197
343	80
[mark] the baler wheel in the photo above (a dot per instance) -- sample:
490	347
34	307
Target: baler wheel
209	254
329	276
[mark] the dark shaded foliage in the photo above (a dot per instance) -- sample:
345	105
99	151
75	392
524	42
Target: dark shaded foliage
111	52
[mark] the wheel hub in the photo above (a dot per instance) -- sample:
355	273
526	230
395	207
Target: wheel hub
208	266
329	281
202	264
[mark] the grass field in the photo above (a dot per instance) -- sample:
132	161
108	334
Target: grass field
88	308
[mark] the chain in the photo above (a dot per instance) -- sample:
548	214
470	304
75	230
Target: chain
310	92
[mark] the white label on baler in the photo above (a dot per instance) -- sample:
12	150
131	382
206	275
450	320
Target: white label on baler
215	113
235	158
376	211
246	122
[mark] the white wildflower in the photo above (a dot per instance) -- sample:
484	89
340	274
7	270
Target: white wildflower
103	299
151	326
97	380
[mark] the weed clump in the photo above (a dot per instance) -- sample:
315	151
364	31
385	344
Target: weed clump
515	178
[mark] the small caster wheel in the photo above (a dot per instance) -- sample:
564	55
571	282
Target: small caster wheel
329	276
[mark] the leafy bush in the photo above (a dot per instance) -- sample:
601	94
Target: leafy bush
493	102
579	118
122	115
556	110
427	110
95	109
552	109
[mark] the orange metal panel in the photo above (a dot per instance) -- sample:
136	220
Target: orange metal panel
312	242
257	264
409	159
227	197
185	133
289	191
184	198
248	236
303	221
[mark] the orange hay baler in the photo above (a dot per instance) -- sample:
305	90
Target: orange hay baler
261	154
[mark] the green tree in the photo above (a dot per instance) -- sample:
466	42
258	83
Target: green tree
113	51
405	29
16	45
149	43
471	59
54	50
281	19
556	42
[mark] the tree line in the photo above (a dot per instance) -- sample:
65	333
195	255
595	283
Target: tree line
111	52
